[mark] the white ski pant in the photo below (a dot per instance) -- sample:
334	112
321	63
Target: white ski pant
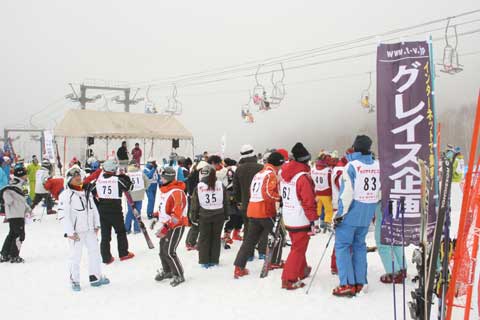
88	240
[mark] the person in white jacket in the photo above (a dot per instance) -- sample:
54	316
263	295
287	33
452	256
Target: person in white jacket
81	223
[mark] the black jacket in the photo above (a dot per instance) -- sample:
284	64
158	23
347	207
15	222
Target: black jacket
112	206
246	170
122	153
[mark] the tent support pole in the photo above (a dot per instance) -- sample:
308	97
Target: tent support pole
144	162
193	148
106	156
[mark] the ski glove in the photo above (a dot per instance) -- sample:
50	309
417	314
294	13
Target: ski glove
337	221
162	232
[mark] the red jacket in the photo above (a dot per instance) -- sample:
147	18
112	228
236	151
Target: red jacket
93	176
305	187
54	186
270	195
176	203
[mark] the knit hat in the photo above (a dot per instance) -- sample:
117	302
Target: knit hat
284	153
229	162
19	171
169	174
276	159
300	153
362	144
246	151
205	172
110	166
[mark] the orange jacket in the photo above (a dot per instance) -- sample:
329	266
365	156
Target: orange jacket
176	204
54	186
270	195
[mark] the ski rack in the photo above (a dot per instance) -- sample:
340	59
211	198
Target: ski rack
365	97
450	62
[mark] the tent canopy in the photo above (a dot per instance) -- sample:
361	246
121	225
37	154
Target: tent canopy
90	123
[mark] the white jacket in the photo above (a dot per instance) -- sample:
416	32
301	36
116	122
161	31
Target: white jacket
41	177
78	213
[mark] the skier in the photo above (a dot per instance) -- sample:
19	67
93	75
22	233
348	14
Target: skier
140	184
41	193
151	172
109	188
359	195
261	211
16	210
32	169
299	213
55	186
247	168
4	179
235	221
173	216
193	180
122	155
173	163
81	223
321	175
209	210
336	179
216	162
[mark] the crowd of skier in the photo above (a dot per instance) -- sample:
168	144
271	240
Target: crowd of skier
265	202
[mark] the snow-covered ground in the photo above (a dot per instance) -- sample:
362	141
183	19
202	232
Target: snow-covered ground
39	289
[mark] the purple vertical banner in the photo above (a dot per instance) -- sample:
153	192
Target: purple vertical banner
405	127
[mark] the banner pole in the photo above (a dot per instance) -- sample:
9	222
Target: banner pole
435	140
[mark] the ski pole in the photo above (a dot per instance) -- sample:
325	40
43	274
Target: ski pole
402	210
390	211
319	262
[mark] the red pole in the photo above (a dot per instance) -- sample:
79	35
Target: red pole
462	237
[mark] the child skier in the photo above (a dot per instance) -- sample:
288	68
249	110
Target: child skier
109	188
299	214
321	175
359	195
209	210
81	223
173	216
16	210
140	183
261	211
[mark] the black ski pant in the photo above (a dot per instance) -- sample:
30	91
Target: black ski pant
192	236
107	222
45	197
258	229
235	223
168	251
209	241
15	237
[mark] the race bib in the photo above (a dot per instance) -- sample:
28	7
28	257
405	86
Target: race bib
108	188
367	182
256	186
320	178
137	180
210	199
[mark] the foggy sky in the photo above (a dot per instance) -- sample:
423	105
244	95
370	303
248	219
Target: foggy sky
47	44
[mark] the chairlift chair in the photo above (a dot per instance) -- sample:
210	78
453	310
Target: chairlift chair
450	63
278	88
365	97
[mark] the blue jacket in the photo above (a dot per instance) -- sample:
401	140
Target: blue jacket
150	171
356	213
3	179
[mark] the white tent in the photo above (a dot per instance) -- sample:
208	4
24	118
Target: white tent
119	125
77	125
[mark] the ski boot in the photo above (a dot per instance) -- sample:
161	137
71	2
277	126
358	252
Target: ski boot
76	286
274	266
358	288
17	260
94	282
226	238
292	285
4	258
110	261
190	247
177	280
261	256
212	264
345	291
250	259
51	211
163	275
128	256
239	272
236	235
205	265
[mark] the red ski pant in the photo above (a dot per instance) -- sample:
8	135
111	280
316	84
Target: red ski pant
296	263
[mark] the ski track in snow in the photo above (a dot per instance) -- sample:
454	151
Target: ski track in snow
40	288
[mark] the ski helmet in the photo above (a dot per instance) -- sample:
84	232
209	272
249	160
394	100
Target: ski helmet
110	166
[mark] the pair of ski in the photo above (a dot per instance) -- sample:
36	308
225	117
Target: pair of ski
272	244
426	257
138	217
